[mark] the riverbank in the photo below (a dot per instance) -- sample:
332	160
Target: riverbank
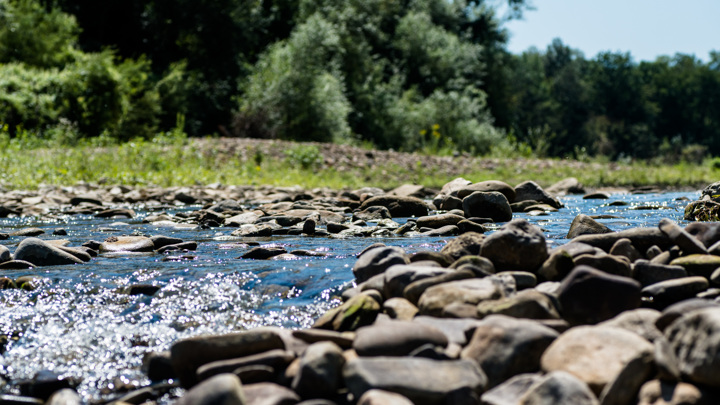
178	161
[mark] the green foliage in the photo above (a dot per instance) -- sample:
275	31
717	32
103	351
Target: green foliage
296	90
35	35
304	157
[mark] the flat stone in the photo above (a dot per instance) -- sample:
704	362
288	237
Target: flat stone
423	381
187	355
246	218
518	245
698	264
452	187
504	346
661	295
263	253
439	221
276	359
127	244
267	393
41	253
641	238
648	273
589	296
595	354
472	291
396	338
380	397
27	232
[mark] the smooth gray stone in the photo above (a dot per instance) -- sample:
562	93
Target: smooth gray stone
695	339
40	253
490	204
396	338
375	261
584	225
505	346
222	389
517	245
320	374
423	381
187	355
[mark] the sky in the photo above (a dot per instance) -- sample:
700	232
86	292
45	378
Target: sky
645	28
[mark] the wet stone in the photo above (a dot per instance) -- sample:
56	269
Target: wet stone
127	244
41	253
491	204
518	245
263	253
377	260
584	225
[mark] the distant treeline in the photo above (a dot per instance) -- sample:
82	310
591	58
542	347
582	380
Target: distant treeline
403	74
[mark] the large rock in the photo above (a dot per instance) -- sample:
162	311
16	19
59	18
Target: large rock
585	225
641	238
529	304
675	311
648	273
708	233
695	340
380	397
396	338
687	243
596	354
640	321
467	244
320	374
504	346
223	389
127	244
518	245
491	204
472	291
266	393
4	254
531	191
589	296
698	264
665	293
570	185
41	253
438	221
375	261
360	310
487	186
658	392
398	206
554	388
423	381
400	276
187	355
452	187
611	264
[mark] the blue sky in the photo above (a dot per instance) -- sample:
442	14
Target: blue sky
645	28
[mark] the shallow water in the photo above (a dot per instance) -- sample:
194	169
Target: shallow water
80	323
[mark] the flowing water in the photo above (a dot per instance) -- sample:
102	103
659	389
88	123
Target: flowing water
81	323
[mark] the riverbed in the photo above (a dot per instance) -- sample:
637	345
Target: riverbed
81	322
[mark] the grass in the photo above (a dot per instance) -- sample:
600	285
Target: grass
177	161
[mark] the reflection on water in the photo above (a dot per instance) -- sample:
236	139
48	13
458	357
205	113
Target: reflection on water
81	322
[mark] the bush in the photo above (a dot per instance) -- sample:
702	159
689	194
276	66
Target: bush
296	90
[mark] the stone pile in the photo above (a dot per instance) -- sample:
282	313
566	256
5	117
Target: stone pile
629	317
